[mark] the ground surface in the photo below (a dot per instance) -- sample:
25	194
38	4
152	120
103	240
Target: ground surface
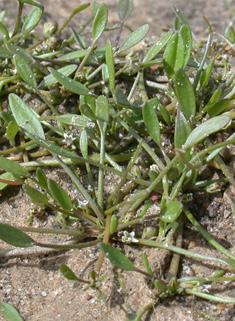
33	283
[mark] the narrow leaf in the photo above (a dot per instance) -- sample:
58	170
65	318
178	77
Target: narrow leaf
158	46
9	312
100	22
72	119
37	197
32	20
67	71
185	94
187	40
60	195
41	177
25	117
68	273
124	9
4	32
102	112
25	71
182	129
8	177
13	236
173	57
151	122
70	84
207	128
110	65
134	38
207	73
120	97
13	167
116	257
16	50
171	211
218	107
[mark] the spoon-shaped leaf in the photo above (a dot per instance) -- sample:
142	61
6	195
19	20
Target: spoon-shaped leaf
187	40
25	117
134	38
37	197
68	273
182	129
151	122
60	195
173	57
102	112
124	9
110	65
171	211
25	71
207	128
13	236
158	46
100	22
185	93
67	71
16	50
32	20
9	312
13	167
116	257
70	84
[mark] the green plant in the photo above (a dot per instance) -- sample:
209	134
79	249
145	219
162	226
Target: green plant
110	127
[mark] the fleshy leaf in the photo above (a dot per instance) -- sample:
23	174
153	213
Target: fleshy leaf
32	20
25	117
151	122
171	211
37	197
187	40
134	38
25	71
207	128
116	257
110	65
69	83
158	46
185	94
13	236
102	112
67	71
60	195
124	9
13	167
9	312
100	22
68	273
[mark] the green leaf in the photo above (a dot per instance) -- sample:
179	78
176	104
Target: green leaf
16	50
5	53
41	177
110	65
102	112
13	236
151	122
134	38
116	257
182	129
13	167
188	42
124	9
4	32
37	197
50	80
68	273
207	128
8	177
87	111
120	97
11	130
205	76
25	117
100	22
9	312
185	94
71	84
173	57
171	211
25	71
158	46
218	107
60	195
72	119
32	20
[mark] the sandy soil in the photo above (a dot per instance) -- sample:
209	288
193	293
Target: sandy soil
34	284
